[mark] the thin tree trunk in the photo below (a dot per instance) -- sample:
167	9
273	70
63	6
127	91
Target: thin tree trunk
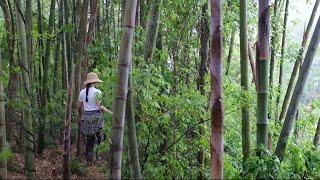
262	73
29	25
79	49
89	37
216	102
27	121
297	64
45	79
204	50
12	118
122	89
132	135
138	13
252	63
283	44
244	79
78	57
297	93
274	39
68	36
152	30
67	130
317	136
64	52
58	50
143	13
231	45
41	121
3	164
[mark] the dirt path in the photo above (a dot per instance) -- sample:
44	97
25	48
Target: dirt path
49	166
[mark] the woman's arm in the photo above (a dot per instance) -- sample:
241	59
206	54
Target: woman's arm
103	109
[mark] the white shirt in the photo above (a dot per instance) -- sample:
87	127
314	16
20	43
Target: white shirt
91	105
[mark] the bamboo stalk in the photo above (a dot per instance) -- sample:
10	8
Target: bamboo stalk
262	73
3	164
297	64
119	106
297	93
244	66
216	102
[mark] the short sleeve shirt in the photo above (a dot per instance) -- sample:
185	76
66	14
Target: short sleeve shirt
93	93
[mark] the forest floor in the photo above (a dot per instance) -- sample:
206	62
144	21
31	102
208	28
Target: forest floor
49	166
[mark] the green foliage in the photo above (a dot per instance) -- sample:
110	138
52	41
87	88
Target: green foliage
172	117
5	155
265	166
77	167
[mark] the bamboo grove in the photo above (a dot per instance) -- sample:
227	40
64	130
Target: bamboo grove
199	89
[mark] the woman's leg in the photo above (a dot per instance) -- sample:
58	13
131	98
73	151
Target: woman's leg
90	148
99	139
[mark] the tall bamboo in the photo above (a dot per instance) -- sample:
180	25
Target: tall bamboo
244	78
283	44
124	62
204	54
298	90
67	129
316	138
297	64
29	26
132	135
231	45
45	80
274	39
3	164
153	27
68	35
27	121
216	102
262	72
57	53
13	86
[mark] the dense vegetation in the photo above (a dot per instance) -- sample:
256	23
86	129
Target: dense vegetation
48	46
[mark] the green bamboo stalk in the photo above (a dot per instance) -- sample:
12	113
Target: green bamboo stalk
27	121
231	45
152	30
203	53
13	85
67	129
3	164
68	35
262	73
297	64
132	135
244	66
283	44
317	135
274	39
45	86
297	93
119	106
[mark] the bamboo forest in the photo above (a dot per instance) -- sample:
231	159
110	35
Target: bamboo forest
159	89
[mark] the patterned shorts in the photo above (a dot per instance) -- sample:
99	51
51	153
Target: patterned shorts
91	123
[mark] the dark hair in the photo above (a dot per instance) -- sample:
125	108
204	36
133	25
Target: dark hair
87	91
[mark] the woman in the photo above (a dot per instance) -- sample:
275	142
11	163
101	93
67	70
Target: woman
92	120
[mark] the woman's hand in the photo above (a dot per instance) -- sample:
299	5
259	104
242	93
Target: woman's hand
105	110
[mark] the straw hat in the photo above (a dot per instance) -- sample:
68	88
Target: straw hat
92	78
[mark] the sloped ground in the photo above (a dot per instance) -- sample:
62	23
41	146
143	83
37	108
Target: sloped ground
49	166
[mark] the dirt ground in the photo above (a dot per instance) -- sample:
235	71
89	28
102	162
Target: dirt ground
49	166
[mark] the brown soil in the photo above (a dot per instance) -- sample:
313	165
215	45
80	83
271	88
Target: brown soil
49	166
